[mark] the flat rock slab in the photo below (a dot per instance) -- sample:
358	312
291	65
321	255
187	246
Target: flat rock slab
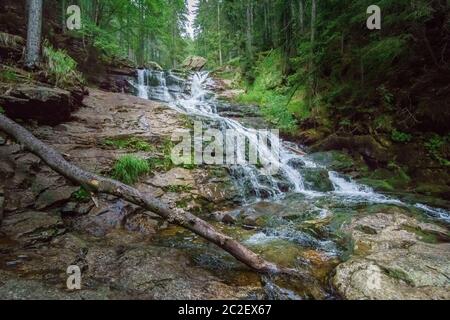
396	257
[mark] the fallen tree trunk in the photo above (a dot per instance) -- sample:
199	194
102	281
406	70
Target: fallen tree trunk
98	184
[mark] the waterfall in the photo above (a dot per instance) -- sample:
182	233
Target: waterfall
199	101
141	85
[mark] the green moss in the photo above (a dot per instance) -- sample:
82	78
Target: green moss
129	168
8	76
183	203
399	275
423	236
133	144
81	195
178	188
163	161
380	185
401	137
389	180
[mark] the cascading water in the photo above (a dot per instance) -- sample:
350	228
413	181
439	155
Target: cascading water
200	102
152	84
141	85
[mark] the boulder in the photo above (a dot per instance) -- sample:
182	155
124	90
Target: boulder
44	104
373	152
152	65
395	257
11	46
194	63
317	179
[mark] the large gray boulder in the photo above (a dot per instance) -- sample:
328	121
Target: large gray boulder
194	63
395	257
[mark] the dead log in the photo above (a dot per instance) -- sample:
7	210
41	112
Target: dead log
98	184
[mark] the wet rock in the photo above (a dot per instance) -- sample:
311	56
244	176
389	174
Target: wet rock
167	274
395	257
194	63
47	105
317	179
107	217
54	196
14	288
215	186
32	226
75	208
229	217
334	160
258	214
241	111
143	224
372	151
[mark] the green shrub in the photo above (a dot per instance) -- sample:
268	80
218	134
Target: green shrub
401	137
2	111
81	195
8	76
61	69
129	168
435	146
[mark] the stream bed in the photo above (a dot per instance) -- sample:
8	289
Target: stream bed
293	218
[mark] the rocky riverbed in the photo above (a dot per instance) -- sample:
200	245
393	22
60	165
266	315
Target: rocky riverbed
354	251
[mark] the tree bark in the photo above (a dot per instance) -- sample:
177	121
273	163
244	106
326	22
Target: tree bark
34	32
98	184
219	33
301	14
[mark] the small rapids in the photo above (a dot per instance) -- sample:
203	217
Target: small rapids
299	210
193	97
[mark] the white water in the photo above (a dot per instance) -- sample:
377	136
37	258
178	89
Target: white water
199	101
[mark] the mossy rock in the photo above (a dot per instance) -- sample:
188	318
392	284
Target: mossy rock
317	179
334	160
379	185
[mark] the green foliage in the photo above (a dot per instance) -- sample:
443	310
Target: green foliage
265	92
342	70
129	168
141	30
437	147
401	137
2	111
8	76
61	69
178	188
133	144
81	195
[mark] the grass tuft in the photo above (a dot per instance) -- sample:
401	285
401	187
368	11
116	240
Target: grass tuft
61	69
129	168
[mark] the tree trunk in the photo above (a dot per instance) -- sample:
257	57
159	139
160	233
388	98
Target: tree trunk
98	184
34	32
64	15
249	31
312	75
219	33
301	14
